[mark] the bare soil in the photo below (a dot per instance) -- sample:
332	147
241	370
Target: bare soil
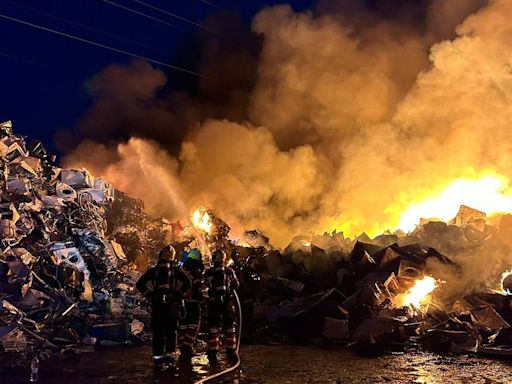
271	365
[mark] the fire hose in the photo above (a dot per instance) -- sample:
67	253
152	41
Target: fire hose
237	364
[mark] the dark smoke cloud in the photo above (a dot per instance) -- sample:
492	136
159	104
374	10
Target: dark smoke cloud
141	101
309	121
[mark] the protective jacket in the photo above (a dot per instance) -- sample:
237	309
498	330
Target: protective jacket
164	282
164	285
221	282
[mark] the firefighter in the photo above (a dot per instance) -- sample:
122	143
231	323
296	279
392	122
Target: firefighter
164	285
221	280
189	326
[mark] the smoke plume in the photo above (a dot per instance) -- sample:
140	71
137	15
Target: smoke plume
345	116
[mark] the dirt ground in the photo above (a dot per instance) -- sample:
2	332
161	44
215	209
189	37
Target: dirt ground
271	365
291	364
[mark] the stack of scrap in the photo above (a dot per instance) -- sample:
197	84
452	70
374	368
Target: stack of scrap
352	291
71	246
62	278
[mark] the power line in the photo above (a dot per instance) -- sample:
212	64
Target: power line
120	38
73	37
140	13
211	4
6	55
175	16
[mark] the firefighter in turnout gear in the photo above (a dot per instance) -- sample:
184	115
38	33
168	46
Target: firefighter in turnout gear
221	280
164	285
189	326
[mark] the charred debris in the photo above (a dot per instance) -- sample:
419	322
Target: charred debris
72	247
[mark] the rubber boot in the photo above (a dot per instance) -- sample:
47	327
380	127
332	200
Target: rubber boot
212	356
158	361
186	352
231	354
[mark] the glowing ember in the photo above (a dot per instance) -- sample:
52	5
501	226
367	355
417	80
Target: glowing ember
506	283
486	194
202	221
306	243
419	294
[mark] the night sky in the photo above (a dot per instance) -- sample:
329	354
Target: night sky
43	75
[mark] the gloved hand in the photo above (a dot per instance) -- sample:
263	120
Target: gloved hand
182	312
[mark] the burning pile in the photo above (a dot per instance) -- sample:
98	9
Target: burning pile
394	292
64	280
71	247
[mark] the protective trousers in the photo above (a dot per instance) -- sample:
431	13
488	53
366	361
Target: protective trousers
221	316
164	321
189	326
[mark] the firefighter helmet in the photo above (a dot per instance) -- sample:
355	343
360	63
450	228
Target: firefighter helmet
167	253
219	256
194	254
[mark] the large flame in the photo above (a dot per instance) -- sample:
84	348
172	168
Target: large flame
487	194
419	294
202	221
505	281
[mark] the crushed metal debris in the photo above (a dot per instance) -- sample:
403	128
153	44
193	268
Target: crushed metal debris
72	247
64	279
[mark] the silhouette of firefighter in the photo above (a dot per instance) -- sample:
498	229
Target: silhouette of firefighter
189	326
221	281
164	285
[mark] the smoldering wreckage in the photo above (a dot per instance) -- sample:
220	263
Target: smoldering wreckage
72	248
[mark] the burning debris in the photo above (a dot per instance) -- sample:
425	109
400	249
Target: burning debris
382	294
419	294
202	221
72	246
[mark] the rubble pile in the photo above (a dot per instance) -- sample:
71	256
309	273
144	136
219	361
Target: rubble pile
64	280
329	289
71	248
140	235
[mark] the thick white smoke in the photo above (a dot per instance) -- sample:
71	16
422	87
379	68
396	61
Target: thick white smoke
348	124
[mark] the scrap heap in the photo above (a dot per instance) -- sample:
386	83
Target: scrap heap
380	295
71	246
63	278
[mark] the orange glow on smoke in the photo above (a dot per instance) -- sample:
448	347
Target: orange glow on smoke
487	191
487	194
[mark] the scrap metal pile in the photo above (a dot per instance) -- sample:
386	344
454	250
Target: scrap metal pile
71	248
64	280
379	295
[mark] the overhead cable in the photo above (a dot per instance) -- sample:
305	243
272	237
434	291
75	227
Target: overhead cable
113	49
174	15
141	14
71	22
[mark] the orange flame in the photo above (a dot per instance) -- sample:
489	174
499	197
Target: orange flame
419	294
202	221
